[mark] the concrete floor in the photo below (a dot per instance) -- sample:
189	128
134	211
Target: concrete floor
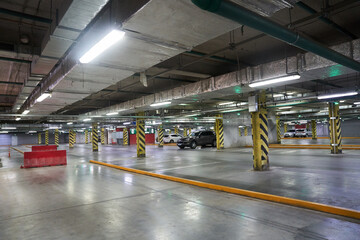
86	201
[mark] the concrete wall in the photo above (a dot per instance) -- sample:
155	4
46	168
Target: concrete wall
5	139
350	128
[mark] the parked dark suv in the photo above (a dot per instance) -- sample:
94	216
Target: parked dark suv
202	138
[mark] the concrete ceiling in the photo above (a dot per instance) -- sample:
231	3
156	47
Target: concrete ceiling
174	51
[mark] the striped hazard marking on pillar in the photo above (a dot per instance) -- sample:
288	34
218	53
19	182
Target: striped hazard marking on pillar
278	131
95	137
219	133
39	138
71	138
86	136
47	137
57	137
313	129
140	136
161	136
125	137
102	136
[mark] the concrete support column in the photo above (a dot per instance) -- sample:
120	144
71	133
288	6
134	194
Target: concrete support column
86	136
239	131
335	128
39	138
47	137
71	138
176	130
189	132
313	129
246	131
57	137
278	131
260	137
140	135
95	138
161	136
219	130
102	136
90	135
185	132
125	137
285	127
74	133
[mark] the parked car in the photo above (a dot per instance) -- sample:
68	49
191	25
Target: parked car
290	133
171	138
301	133
202	138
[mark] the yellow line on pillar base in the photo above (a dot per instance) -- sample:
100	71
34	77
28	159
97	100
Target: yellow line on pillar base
263	196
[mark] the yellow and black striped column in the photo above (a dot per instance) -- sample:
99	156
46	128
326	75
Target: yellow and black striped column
102	136
285	128
95	137
161	136
189	131
278	131
246	131
335	128
140	135
219	132
176	130
47	137
185	132
39	138
71	138
56	137
239	131
86	136
313	129
260	136
125	137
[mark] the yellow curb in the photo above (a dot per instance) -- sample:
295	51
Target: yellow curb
18	150
263	196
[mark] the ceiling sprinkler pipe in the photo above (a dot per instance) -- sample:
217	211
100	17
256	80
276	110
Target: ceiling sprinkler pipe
246	17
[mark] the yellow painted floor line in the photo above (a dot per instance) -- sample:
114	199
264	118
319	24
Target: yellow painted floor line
17	150
263	196
308	146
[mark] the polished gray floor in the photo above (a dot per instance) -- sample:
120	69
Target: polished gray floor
87	201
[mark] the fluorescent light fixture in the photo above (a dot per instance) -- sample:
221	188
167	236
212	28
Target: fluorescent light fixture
17	119
337	95
54	127
183	104
278	95
3	132
126	123
357	103
18	108
285	107
160	104
69	123
275	80
32	132
8	128
87	119
43	97
112	113
26	112
110	39
342	101
225	103
232	110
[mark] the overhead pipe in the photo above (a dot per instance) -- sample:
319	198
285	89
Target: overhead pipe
246	17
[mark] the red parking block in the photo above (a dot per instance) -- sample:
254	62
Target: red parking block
44	148
44	158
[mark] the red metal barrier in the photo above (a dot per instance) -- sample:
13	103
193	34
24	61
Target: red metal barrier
44	158
44	148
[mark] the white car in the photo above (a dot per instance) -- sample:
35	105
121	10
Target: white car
289	134
171	138
301	133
